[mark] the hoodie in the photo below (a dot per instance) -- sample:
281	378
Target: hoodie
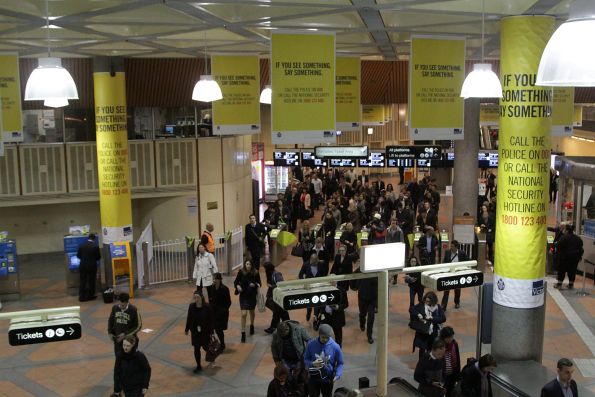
330	353
131	372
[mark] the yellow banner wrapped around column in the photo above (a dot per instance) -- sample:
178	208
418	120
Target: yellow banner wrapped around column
303	83
373	114
112	156
239	110
524	164
562	111
11	129
348	88
436	75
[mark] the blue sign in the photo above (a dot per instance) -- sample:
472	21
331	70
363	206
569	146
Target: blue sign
118	251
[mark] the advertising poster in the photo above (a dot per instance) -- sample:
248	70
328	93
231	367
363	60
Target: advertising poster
436	75
489	115
303	82
373	115
524	164
10	93
112	156
239	110
577	120
562	111
348	81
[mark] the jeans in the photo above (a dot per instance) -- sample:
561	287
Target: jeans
447	293
412	293
317	387
367	309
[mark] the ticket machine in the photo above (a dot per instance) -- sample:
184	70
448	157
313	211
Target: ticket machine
121	261
71	246
9	272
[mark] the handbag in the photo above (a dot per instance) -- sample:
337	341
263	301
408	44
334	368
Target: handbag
297	250
260	302
420	326
213	349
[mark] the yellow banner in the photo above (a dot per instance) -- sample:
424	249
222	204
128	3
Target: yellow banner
524	164
112	156
489	114
373	114
239	110
562	111
348	88
436	75
303	80
577	119
11	129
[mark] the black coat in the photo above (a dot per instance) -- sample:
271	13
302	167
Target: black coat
254	236
200	317
553	389
306	270
471	381
461	256
220	303
431	220
248	294
367	288
352	238
429	370
89	254
337	316
342	267
425	341
132	372
570	247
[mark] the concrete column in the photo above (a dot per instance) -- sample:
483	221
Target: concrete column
464	187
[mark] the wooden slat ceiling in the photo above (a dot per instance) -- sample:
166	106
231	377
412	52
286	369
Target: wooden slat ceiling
168	82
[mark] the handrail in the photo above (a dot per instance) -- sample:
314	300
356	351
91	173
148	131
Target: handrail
507	387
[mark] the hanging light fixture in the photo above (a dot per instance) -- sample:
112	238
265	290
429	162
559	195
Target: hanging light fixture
568	59
266	95
56	102
206	89
50	80
482	82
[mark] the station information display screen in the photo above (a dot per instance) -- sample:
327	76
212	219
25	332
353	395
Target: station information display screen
487	160
418	152
375	160
310	160
393	163
341	162
284	159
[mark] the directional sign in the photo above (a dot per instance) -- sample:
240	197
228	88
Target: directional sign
301	298
446	281
338	152
52	331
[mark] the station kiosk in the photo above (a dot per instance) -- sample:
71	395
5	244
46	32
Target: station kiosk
121	261
71	246
10	287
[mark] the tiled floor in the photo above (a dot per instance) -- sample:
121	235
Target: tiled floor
84	367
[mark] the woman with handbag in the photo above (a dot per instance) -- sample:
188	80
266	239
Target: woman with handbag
199	323
306	240
426	318
204	269
246	285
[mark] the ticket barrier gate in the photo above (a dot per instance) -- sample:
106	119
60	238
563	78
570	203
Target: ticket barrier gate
278	253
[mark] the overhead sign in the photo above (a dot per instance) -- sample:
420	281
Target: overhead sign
379	257
446	281
562	111
303	81
416	152
348	86
338	152
302	298
436	74
28	333
239	110
373	115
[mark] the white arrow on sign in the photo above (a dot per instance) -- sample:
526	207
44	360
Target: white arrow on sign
475	278
331	297
70	331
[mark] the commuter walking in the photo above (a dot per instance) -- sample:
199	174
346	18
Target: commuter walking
254	236
124	320
273	277
311	269
132	372
220	303
416	288
279	386
246	285
334	315
88	253
476	377
429	311
452	359
205	268
429	370
454	254
570	252
563	385
288	347
199	322
324	360
367	301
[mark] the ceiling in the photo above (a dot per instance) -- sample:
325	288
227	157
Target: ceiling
372	29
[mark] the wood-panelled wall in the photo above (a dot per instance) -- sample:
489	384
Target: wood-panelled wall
168	82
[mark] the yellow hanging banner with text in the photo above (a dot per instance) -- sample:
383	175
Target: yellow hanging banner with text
111	125
577	119
348	88
436	75
10	92
562	111
303	82
524	164
489	114
239	110
373	114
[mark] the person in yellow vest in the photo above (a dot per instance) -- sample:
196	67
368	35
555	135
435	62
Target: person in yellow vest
207	238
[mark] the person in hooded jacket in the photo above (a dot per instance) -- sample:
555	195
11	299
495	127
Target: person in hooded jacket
199	323
132	371
324	360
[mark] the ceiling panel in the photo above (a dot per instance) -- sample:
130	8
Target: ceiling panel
115	53
134	30
241	13
41	34
157	13
346	20
118	45
503	7
408	19
212	35
59	8
165	55
361	38
58	54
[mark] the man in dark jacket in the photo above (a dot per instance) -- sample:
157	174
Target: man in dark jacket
454	254
367	300
428	247
254	237
220	303
429	370
334	315
132	371
563	385
570	252
288	346
476	377
343	264
124	320
89	254
313	268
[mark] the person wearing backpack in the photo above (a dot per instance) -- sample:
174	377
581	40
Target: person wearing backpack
273	277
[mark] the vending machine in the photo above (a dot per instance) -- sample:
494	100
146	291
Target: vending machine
71	246
276	179
10	287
